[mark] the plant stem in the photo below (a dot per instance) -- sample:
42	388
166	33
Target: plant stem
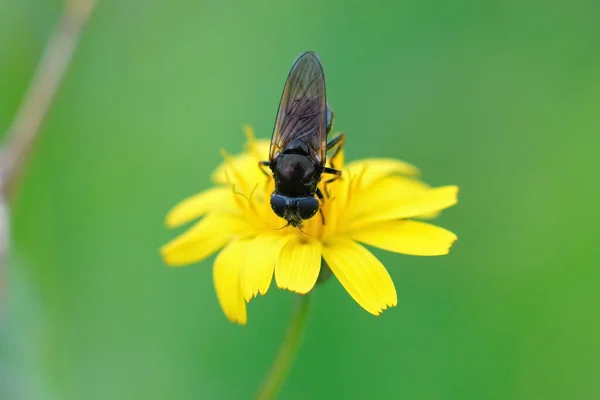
27	124
282	364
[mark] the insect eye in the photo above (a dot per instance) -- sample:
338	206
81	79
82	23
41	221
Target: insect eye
278	204
308	207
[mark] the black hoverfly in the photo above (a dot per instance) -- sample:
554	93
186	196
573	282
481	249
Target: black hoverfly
299	143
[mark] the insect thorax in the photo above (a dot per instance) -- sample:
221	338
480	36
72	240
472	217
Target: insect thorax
296	175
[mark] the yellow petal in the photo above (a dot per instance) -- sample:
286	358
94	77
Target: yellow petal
390	206
298	264
221	173
335	209
201	240
379	194
377	168
214	199
259	263
412	187
226	278
361	274
258	148
383	193
242	170
407	237
430	215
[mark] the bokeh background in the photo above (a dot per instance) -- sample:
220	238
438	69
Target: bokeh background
500	98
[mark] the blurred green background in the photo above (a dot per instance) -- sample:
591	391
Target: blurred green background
500	98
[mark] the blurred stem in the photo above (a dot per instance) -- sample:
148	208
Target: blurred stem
26	126
287	352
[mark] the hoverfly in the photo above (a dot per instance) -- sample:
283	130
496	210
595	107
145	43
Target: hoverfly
299	143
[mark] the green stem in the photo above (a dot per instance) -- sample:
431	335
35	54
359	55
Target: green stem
287	352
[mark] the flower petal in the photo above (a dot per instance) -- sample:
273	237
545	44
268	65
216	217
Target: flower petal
226	278
198	205
361	274
201	240
298	264
259	263
258	148
242	170
374	169
335	207
407	237
389	205
383	193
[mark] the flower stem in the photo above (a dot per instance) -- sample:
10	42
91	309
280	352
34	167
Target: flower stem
287	352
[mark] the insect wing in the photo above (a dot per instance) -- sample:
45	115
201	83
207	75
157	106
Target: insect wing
302	111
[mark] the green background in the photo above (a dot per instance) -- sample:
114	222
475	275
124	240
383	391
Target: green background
500	98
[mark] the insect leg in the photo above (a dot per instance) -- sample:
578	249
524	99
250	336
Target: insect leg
336	145
320	195
336	172
322	198
261	165
330	119
332	171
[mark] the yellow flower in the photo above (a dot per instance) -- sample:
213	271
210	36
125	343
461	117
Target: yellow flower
373	203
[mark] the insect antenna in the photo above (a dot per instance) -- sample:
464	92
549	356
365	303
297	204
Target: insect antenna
283	227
